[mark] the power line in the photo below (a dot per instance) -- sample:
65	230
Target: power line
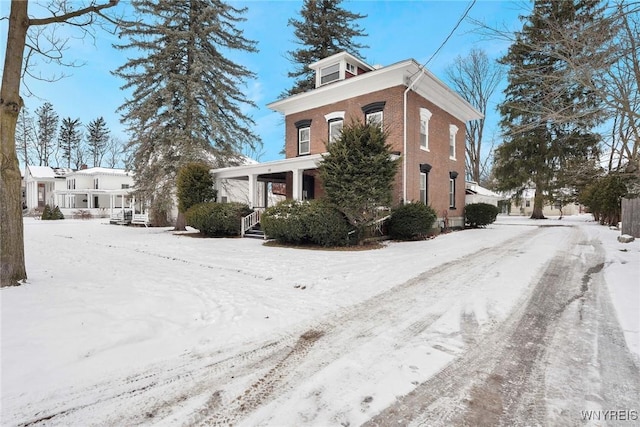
464	15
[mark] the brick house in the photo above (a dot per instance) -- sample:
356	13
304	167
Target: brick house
425	121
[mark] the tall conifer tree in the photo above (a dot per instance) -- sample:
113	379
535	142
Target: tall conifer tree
97	139
69	138
547	116
47	129
323	30
187	96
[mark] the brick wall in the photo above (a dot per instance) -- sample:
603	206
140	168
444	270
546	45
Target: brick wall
437	156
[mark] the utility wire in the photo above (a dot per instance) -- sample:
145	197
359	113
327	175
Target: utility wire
464	15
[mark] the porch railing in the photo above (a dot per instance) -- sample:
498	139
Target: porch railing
250	220
140	219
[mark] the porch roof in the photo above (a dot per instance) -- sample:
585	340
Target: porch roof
267	168
115	192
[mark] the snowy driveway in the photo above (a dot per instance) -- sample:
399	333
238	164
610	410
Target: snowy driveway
515	325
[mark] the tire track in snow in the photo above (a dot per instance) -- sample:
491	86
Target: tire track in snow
402	310
505	379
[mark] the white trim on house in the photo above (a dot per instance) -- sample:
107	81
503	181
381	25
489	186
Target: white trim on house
296	165
399	74
425	116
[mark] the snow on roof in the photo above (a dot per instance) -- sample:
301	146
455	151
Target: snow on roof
41	171
101	171
476	188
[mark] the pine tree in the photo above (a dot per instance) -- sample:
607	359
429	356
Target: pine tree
358	172
547	116
97	139
187	96
69	138
47	128
324	30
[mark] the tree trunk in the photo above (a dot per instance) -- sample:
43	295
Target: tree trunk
181	222
538	204
12	266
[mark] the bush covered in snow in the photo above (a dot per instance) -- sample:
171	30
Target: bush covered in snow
480	214
50	214
316	222
411	221
217	219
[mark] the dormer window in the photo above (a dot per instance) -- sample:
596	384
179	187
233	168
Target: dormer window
330	73
338	67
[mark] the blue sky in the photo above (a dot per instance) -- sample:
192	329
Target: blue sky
397	30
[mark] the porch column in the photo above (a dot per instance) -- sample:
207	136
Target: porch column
297	184
253	184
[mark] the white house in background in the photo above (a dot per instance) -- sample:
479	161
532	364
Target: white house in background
474	193
524	206
41	183
95	188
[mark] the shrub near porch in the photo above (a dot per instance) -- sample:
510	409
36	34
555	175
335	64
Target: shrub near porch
217	219
316	222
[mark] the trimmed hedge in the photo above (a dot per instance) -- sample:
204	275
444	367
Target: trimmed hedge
51	214
313	222
411	221
217	219
480	214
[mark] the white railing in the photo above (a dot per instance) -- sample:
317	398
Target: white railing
249	221
140	219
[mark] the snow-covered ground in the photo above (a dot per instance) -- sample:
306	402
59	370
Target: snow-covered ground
105	302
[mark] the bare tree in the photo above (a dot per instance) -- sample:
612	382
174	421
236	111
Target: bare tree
16	64
25	137
475	77
115	152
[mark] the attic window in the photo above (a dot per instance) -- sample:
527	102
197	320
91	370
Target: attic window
329	74
351	68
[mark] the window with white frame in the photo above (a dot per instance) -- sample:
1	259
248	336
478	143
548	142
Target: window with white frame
453	130
71	184
373	113
425	115
335	122
335	129
304	140
374	118
304	136
425	168
351	68
95	183
330	73
452	189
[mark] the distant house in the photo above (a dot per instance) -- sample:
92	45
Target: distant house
424	118
474	193
41	183
523	205
94	188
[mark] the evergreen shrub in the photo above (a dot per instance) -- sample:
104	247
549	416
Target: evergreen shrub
51	214
285	222
315	222
480	214
194	184
326	225
411	221
217	219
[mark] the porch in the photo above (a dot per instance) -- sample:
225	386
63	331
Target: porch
296	175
